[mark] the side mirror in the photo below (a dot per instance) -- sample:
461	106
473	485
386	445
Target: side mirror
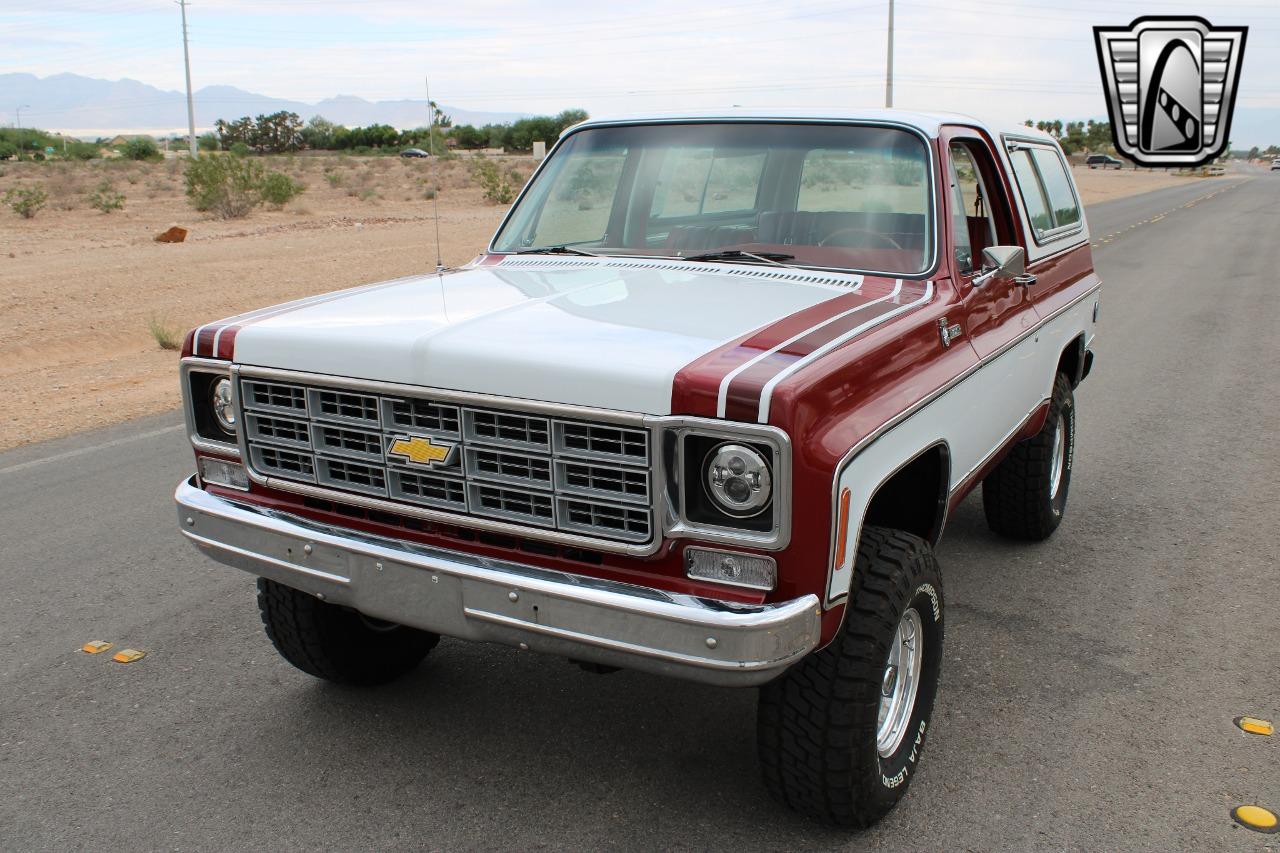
1004	262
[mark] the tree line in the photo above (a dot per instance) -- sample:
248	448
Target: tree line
285	131
1078	136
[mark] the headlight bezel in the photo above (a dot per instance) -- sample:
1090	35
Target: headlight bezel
689	513
198	379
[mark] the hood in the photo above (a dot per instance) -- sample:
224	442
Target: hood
602	333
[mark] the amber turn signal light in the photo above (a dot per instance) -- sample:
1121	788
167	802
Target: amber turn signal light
842	528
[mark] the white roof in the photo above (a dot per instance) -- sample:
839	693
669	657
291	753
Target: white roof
927	123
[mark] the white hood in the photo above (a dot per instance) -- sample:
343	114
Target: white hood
604	334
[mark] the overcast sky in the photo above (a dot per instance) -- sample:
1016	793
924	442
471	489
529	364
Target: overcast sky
1003	59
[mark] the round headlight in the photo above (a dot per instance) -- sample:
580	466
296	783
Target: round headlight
224	411
738	480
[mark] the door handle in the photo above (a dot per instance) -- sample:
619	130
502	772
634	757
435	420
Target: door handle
1024	279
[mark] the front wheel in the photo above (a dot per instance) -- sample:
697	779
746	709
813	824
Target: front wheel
1026	495
336	643
840	733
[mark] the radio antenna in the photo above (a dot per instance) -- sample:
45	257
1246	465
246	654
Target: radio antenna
431	174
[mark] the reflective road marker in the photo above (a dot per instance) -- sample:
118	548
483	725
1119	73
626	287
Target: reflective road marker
1255	726
128	655
1256	818
94	647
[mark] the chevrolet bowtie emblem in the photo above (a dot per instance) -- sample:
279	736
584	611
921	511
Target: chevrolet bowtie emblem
420	450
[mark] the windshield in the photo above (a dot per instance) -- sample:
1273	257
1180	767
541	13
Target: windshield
832	196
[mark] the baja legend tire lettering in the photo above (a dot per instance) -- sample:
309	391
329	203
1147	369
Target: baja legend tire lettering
927	589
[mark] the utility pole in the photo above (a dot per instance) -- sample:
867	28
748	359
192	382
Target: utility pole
191	107
888	74
18	113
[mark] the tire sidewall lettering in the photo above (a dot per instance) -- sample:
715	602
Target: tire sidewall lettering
909	752
934	599
902	775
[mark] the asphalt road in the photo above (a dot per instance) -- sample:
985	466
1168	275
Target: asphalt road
1088	689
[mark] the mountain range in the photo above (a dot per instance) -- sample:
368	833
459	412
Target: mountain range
91	107
87	106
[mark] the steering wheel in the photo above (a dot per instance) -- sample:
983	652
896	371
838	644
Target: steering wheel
876	234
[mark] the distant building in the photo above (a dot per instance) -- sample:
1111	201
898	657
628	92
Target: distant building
121	139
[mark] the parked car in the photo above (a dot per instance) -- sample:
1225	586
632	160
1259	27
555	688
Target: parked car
703	409
1275	164
1103	161
414	152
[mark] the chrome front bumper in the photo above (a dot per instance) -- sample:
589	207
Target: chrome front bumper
477	598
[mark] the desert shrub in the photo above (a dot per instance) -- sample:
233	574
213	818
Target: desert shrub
429	193
83	151
334	179
494	182
106	198
64	186
239	149
279	189
26	201
141	148
227	186
164	336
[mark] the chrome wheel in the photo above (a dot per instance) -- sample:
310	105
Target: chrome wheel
1058	461
900	683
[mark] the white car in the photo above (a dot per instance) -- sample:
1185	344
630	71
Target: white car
1275	164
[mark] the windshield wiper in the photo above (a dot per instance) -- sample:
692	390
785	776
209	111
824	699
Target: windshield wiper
558	250
738	255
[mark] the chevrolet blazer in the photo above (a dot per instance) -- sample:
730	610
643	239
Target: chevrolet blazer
701	409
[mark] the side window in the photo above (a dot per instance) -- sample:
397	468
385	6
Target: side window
578	211
1032	193
863	181
1057	185
694	181
1046	189
960	224
973	220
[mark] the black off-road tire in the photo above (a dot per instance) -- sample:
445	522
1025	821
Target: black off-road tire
1018	497
817	723
337	643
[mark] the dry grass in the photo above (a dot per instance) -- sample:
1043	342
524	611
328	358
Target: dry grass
165	337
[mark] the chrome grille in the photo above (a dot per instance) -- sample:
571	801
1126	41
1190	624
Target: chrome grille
524	468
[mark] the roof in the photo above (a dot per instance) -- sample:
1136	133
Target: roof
927	123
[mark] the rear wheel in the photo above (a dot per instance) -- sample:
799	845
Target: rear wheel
336	643
840	733
1026	495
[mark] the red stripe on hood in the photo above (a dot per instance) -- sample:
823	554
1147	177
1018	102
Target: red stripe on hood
696	388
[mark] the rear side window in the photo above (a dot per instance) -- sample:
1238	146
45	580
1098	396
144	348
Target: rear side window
1057	185
1046	191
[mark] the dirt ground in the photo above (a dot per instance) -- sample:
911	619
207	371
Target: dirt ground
80	289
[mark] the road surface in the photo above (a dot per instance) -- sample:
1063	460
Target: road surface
1088	689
